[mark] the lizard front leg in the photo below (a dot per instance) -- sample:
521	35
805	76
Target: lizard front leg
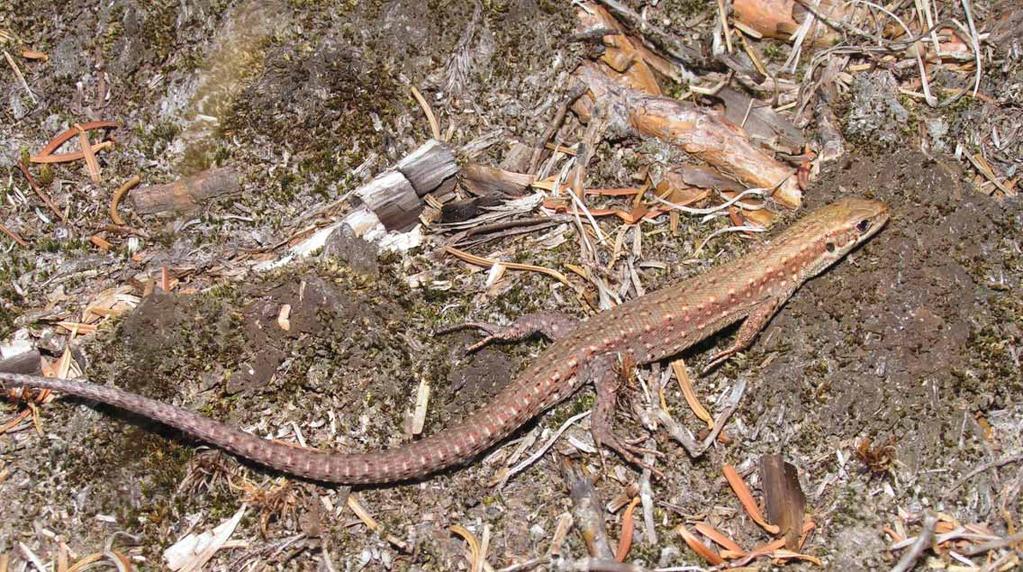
755	321
552	326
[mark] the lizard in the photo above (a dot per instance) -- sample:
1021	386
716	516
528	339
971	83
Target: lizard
643	330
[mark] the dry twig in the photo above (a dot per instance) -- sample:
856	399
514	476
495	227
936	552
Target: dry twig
923	541
40	193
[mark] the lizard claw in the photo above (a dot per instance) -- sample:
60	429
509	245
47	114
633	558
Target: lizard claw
716	360
629	451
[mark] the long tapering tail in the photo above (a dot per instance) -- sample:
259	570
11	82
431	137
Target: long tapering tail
457	445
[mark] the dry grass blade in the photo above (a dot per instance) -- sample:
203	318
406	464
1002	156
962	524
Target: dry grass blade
746	498
15	421
118	195
193	551
120	561
727	229
756	192
1008	541
543	449
628	527
975	44
685	383
372	524
760	552
474	546
434	125
784	554
928	97
21	78
984	167
487	263
923	541
701	549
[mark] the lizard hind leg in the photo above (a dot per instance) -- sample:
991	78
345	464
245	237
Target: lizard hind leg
552	326
607	380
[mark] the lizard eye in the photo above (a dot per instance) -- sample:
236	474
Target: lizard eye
830	246
863	225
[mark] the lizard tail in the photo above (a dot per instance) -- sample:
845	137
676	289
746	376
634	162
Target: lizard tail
413	460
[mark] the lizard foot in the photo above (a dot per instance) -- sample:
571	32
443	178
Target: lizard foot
628	449
491	330
550	325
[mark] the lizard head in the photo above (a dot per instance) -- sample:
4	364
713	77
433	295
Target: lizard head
842	226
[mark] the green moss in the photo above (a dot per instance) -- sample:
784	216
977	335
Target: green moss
154	140
773	51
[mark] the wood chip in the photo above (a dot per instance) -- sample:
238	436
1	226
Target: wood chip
284	317
34	55
783	498
100	242
422	404
560	533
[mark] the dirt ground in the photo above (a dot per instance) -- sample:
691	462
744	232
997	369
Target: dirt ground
912	342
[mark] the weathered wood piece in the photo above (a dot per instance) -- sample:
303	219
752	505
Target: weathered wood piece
761	122
393	199
483	180
705	134
783	497
187	193
780	19
428	166
394	196
27	363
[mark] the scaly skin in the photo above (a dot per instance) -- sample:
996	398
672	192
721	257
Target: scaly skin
647	329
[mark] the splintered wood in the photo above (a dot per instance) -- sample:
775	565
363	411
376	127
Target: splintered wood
705	134
783	498
187	193
623	96
396	197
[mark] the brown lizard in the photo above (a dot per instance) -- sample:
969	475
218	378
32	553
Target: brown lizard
643	330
